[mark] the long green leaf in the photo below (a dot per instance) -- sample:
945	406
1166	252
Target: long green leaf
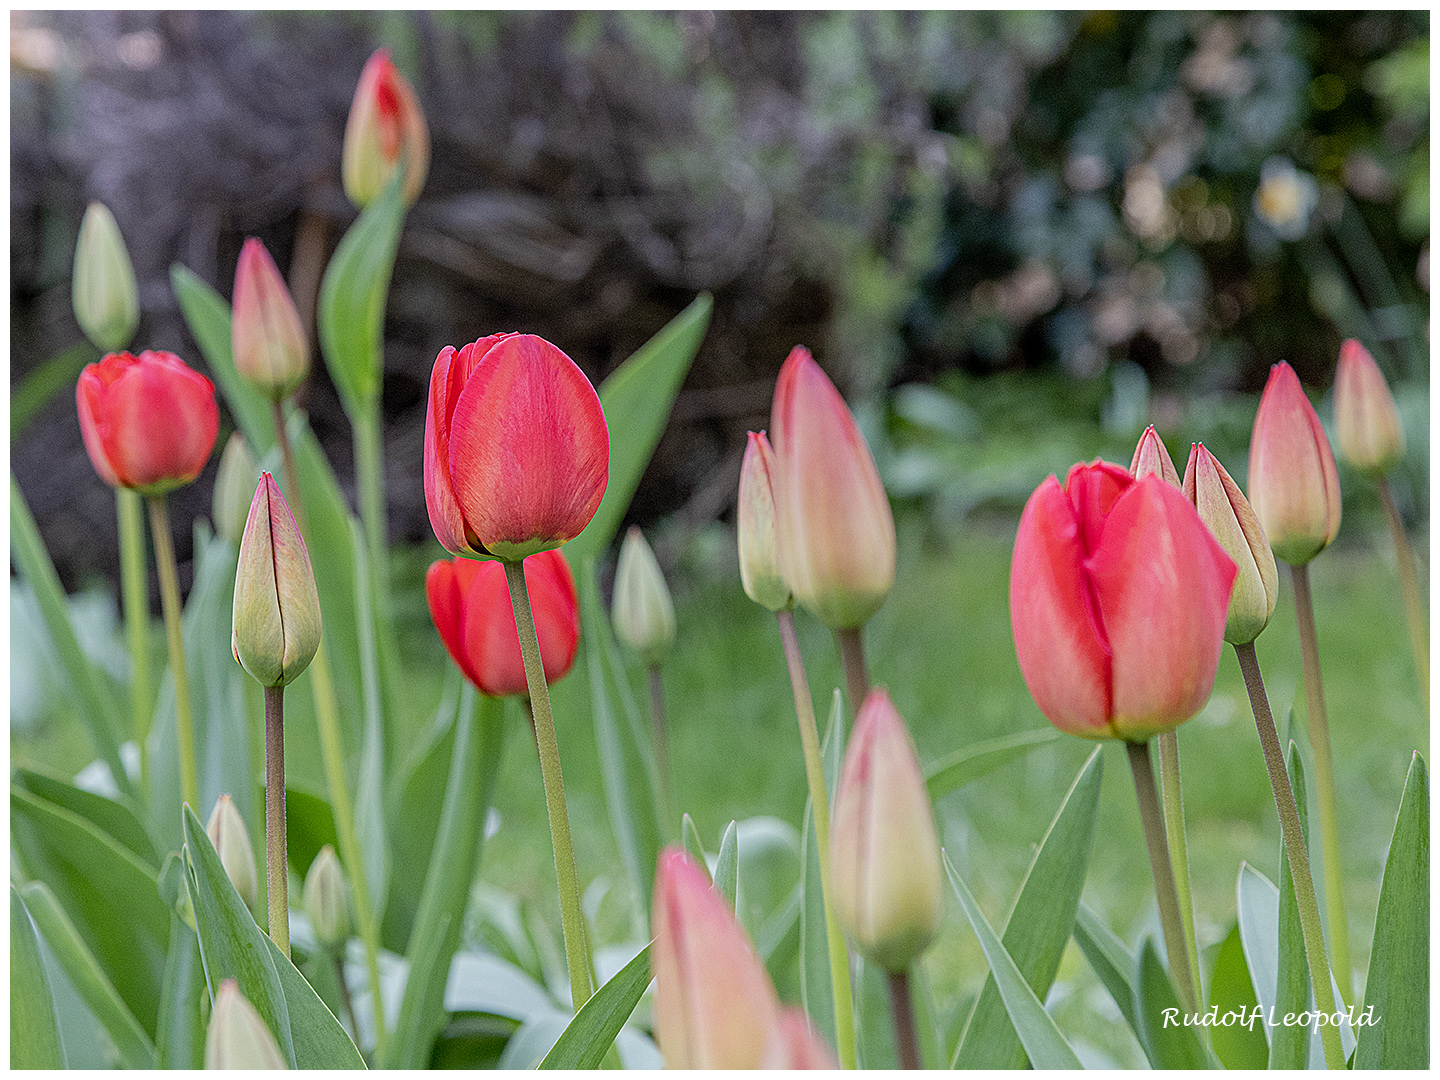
111	817
180	1040
1168	1042
727	865
817	995
47	380
1398	986
593	1031
1043	1043
320	1042
370	782
1238	1046
694	846
1257	910
1290	1043
637	398
207	316
135	1047
34	1031
1039	924
974	761
1111	961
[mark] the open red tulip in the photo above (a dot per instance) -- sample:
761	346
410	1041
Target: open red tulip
1118	596
470	605
517	453
149	422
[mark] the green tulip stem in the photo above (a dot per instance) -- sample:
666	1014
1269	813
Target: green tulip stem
572	919
1295	853
660	732
857	676
276	884
1409	588
1154	822
902	1015
287	464
370	484
135	599
820	808
346	1003
1173	804
1319	730
170	604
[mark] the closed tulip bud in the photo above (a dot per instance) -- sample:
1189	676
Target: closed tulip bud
517	453
833	521
793	1044
1367	424
1294	487
103	290
642	611
884	851
149	422
266	336
386	131
1223	508
1152	457
226	829
715	1006
327	899
237	1038
234	484
755	527
277	610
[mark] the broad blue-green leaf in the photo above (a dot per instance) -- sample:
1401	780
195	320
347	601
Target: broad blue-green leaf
1039	924
1257	910
1398	986
370	783
1290	1044
1168	1042
593	1031
114	818
134	1046
180	1040
637	397
309	826
34	1031
1111	961
480	982
817	995
727	865
41	385
1043	1043
320	1042
1238	1046
974	761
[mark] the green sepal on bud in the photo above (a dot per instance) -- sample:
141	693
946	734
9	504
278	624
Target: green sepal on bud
642	611
103	289
277	610
237	1037
226	829
234	487
327	900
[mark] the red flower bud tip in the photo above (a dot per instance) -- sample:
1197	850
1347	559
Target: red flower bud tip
266	336
149	422
470	606
1152	457
715	1007
1118	595
1226	513
1293	484
833	521
794	1044
1367	424
755	527
517	453
385	126
884	851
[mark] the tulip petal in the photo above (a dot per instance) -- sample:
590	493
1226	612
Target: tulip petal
1093	489
446	380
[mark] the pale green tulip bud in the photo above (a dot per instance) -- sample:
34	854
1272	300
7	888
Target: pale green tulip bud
642	611
237	1038
103	289
234	489
227	832
755	527
327	900
277	610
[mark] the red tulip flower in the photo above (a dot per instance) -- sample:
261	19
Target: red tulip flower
149	422
1118	596
517	453
470	605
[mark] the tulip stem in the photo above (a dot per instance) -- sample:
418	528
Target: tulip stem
1170	795
287	464
902	1015
276	885
170	604
661	736
1319	730
135	598
1160	866
1409	588
1295	854
346	1003
857	676
820	809
572	919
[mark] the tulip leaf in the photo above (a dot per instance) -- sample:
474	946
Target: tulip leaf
1257	911
309	826
1398	986
41	385
974	761
1169	1043
595	1027
637	398
110	816
475	763
1038	927
1111	961
133	1044
1043	1043
34	1030
1241	1045
694	846
370	782
180	1038
480	982
817	994
1290	1043
320	1042
727	865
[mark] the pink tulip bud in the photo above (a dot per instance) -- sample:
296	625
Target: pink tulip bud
386	130
517	453
714	1004
1118	597
237	1037
266	335
833	521
1367	424
1226	513
755	527
793	1044
884	851
1152	457
1294	487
